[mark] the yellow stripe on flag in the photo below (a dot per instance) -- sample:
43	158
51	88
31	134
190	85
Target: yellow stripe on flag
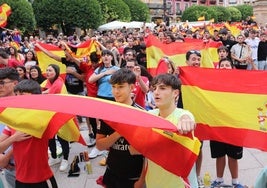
186	142
27	122
243	114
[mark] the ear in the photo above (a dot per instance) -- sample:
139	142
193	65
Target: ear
176	93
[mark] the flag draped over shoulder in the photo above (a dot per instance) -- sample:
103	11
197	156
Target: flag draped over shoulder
229	105
5	11
147	133
176	52
44	60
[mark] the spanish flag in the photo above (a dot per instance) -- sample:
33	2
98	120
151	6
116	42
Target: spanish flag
229	105
44	60
147	133
84	49
176	52
40	123
201	18
5	11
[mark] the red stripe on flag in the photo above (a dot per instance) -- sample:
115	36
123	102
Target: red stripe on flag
55	123
236	136
149	143
208	79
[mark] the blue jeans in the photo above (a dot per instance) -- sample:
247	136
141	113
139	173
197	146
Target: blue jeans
255	63
262	65
10	178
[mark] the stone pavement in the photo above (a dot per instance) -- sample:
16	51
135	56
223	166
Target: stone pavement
249	166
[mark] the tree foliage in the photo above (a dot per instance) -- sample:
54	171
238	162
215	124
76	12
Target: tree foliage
67	14
222	13
246	10
48	13
22	15
115	10
139	10
235	14
83	13
194	12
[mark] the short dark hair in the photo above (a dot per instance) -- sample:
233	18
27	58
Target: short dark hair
190	52
4	54
104	52
10	73
223	48
28	86
123	76
168	80
226	59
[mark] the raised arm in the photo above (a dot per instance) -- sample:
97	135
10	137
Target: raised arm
50	54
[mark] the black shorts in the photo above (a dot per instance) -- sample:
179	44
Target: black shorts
111	180
44	184
220	149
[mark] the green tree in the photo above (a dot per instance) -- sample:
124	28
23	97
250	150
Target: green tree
235	14
49	13
139	10
246	10
223	14
194	12
67	14
22	16
82	13
115	10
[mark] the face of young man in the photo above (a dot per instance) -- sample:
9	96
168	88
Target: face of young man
194	60
122	93
7	87
164	95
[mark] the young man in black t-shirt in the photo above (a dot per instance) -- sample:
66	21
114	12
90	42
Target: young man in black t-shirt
123	169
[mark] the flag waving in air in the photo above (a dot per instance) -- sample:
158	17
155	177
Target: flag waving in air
5	11
229	105
176	52
147	133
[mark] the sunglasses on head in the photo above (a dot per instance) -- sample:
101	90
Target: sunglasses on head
195	52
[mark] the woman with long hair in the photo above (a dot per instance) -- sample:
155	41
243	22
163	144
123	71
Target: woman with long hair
54	84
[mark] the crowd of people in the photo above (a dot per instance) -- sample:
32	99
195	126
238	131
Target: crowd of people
117	71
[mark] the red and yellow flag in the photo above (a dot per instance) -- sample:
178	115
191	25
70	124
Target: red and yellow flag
5	11
44	60
147	133
84	49
37	122
229	105
176	52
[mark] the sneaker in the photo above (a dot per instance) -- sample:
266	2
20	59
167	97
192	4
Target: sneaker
216	183
92	141
94	153
200	182
52	161
63	165
103	161
238	185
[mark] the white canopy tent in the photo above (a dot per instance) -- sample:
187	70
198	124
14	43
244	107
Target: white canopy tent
112	25
119	25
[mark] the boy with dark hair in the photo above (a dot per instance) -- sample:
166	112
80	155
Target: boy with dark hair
166	91
122	82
